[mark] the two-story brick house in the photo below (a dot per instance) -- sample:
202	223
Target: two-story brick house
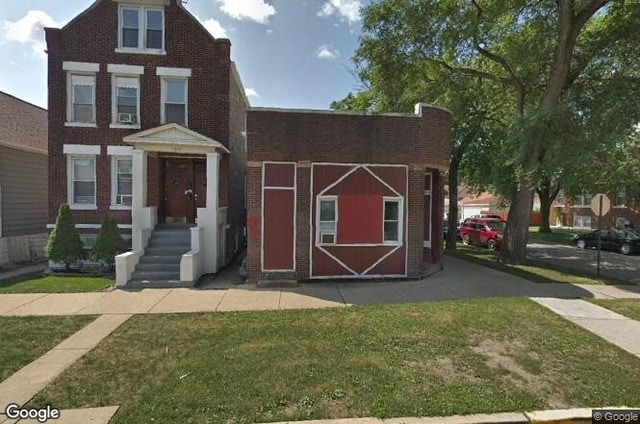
146	123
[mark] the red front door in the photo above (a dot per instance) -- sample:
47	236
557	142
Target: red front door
185	188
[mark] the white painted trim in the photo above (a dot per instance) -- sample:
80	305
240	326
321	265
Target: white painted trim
429	193
114	180
173	72
92	226
125	69
339	180
81	206
406	220
119	207
319	199
366	168
80	124
358	276
81	66
80	149
295	213
382	259
124	126
163	95
380	165
342	264
119	150
401	217
140	51
114	101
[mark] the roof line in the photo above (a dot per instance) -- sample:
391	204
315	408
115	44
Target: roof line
22	100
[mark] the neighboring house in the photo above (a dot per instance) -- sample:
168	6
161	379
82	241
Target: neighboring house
345	195
23	176
575	211
483	203
146	123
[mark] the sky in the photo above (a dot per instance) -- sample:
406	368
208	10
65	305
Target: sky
289	53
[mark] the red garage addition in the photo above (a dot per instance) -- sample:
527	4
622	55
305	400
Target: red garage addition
345	195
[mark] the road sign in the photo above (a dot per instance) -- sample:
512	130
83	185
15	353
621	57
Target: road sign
595	204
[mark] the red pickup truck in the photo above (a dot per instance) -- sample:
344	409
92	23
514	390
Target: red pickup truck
485	231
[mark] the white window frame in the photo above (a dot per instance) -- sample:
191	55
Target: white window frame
618	197
142	30
70	179
69	122
400	202
163	95
582	219
319	232
114	101
581	198
114	182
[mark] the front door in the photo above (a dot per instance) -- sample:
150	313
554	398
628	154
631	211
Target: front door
185	187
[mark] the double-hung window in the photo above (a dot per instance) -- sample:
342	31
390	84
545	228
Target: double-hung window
82	180
327	213
583	201
174	106
82	106
141	30
125	98
392	227
122	181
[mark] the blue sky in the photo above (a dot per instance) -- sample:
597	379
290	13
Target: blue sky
290	53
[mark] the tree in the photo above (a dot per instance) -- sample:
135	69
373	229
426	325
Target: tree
551	62
64	244
109	241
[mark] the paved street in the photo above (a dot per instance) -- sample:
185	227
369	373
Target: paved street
616	265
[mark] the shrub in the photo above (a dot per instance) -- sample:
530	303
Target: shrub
64	244
109	242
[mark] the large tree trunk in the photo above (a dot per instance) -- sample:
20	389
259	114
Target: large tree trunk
516	234
453	203
544	194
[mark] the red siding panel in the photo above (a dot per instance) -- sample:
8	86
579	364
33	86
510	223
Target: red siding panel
395	176
360	182
359	219
279	174
325	175
360	258
391	265
278	229
325	266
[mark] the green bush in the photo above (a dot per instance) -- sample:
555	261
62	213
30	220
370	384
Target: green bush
109	242
64	244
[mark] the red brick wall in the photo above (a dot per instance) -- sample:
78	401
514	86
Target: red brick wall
92	37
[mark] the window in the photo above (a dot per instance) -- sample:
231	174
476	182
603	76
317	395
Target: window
122	178
141	30
621	198
126	100
392	232
559	201
82	181
81	95
582	221
174	99
583	201
327	220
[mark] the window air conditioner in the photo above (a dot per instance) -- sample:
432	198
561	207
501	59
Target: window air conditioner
125	118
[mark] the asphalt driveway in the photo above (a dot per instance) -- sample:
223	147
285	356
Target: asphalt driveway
612	264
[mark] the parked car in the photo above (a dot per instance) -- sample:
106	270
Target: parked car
485	231
624	241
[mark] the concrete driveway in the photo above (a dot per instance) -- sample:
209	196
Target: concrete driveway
612	264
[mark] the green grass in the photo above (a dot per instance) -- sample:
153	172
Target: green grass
40	283
628	307
24	339
430	359
558	235
532	270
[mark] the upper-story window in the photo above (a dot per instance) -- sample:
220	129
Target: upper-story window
125	98
81	93
141	30
174	96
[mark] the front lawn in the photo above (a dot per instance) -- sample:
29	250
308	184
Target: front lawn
431	359
24	339
532	270
630	308
40	283
557	235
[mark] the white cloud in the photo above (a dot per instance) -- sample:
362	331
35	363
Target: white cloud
269	31
325	52
214	28
250	92
29	30
347	9
255	10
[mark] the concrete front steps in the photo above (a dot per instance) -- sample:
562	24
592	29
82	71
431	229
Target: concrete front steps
159	267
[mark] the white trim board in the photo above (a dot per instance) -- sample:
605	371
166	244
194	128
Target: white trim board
80	149
81	66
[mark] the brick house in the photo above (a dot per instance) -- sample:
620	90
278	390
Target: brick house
146	123
345	195
575	211
23	172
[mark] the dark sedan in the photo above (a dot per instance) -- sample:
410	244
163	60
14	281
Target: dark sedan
619	240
